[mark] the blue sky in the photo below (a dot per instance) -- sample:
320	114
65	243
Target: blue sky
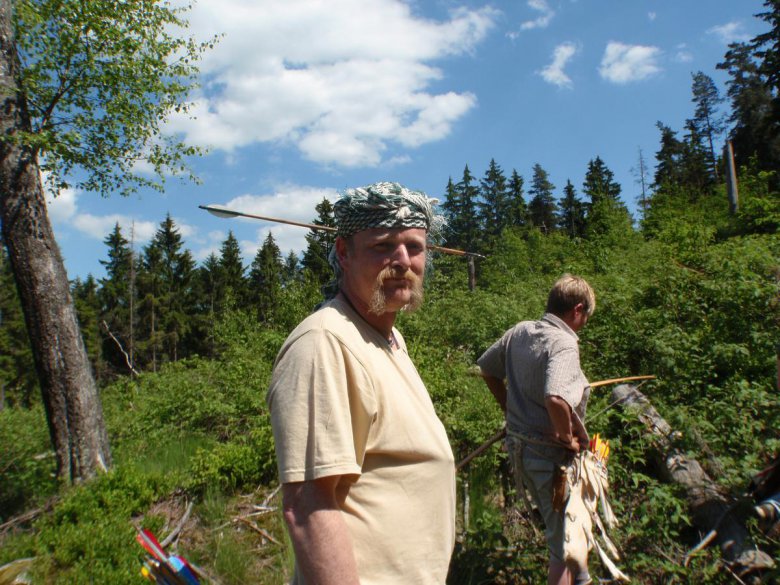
304	98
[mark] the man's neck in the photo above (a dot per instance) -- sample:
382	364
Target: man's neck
382	323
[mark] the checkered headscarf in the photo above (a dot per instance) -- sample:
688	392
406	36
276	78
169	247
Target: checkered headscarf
387	205
384	204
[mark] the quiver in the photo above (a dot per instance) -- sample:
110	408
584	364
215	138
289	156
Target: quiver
588	483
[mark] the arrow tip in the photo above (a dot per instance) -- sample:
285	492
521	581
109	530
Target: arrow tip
219	211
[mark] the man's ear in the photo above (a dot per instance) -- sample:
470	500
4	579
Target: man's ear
341	249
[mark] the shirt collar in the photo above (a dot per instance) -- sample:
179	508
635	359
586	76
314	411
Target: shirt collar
556	321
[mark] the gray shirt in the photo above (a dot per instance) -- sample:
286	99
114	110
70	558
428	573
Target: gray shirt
538	359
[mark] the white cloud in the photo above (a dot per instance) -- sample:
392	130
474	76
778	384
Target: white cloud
63	211
651	16
731	32
100	226
626	63
62	207
543	20
342	81
683	55
554	72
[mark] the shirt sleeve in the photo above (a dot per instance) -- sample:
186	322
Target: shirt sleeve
321	404
493	361
564	378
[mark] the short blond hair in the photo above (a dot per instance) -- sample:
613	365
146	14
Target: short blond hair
568	292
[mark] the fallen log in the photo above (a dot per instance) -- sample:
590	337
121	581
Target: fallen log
711	510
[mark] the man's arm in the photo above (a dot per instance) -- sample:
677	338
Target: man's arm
570	433
322	543
498	389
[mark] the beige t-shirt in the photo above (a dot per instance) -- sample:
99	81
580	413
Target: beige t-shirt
343	402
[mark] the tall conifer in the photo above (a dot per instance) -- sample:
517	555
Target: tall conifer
460	207
542	208
518	209
114	295
315	257
707	120
232	282
493	206
572	212
266	276
18	383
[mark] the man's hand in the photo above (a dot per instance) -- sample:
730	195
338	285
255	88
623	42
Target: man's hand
322	543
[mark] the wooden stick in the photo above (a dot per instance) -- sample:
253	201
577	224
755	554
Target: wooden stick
170	538
481	449
620	380
261	531
502	433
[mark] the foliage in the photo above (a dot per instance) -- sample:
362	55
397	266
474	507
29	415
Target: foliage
18	383
101	78
87	537
27	463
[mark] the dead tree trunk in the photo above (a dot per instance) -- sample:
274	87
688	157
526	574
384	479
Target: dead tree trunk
68	387
709	507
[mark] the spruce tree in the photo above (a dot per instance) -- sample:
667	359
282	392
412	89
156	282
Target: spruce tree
319	242
494	204
266	277
150	291
460	208
571	217
167	292
542	208
600	182
698	170
290	270
517	207
605	211
85	297
208	298
668	170
754	91
232	280
114	295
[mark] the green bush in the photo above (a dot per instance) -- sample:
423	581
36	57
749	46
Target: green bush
27	462
88	536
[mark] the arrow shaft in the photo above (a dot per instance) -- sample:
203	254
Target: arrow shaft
324	228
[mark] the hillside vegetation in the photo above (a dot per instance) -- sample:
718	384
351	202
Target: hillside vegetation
696	305
689	292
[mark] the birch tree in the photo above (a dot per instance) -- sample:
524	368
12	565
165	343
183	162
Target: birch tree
86	88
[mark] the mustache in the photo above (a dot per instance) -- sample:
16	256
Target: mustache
396	274
377	304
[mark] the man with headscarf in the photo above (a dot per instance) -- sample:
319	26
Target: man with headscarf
367	473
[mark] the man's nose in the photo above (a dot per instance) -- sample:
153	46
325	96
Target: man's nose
400	257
